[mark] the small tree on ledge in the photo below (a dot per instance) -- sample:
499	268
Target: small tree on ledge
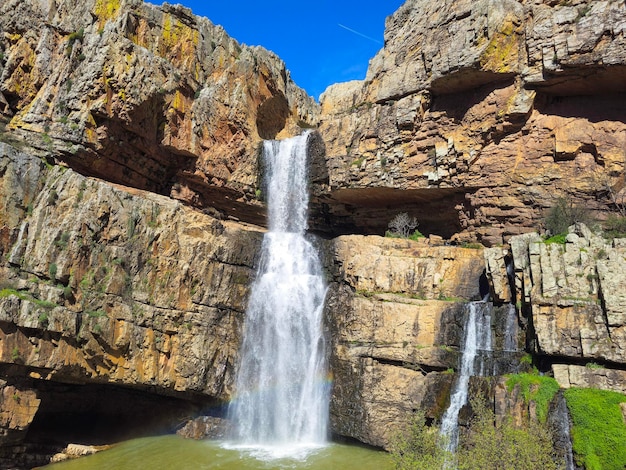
402	225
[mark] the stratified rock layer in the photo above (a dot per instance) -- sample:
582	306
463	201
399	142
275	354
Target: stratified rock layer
395	316
150	97
477	115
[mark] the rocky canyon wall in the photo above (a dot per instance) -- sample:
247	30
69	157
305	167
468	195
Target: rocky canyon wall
132	208
476	116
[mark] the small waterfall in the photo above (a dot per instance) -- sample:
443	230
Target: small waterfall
510	330
282	396
17	251
477	343
558	419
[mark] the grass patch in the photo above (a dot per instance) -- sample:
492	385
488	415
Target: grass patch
558	238
598	429
537	388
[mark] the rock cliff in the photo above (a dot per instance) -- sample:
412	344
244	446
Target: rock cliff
131	209
475	116
152	98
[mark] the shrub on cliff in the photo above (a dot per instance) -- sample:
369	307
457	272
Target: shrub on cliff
484	446
403	226
563	214
417	446
598	429
504	446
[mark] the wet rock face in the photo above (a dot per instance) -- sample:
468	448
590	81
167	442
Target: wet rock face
150	97
395	315
504	105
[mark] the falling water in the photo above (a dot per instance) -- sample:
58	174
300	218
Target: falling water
510	329
282	398
477	341
559	422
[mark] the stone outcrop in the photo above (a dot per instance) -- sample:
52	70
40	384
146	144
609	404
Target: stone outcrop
475	116
395	312
150	97
572	295
131	207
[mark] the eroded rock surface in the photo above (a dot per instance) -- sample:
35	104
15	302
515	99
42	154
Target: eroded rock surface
150	97
395	313
477	115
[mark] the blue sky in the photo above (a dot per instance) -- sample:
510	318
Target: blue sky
322	42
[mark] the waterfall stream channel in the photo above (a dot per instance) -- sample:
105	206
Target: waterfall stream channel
281	404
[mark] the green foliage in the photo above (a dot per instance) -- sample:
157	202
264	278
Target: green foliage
43	319
558	238
52	197
563	214
96	314
416	235
76	36
598	429
417	446
67	293
52	271
537	388
15	354
615	226
504	446
8	292
63	240
485	446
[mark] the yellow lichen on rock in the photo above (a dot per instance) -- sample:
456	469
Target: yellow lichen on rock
502	53
106	10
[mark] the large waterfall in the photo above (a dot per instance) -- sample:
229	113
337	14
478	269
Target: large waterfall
477	341
281	400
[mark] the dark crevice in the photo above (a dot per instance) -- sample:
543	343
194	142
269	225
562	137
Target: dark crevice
423	368
544	362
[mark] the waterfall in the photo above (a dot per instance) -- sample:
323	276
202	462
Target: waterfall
510	329
559	422
476	343
282	396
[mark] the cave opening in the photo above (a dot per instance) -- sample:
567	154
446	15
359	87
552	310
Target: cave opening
368	211
98	414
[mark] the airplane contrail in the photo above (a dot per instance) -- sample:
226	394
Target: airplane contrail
359	34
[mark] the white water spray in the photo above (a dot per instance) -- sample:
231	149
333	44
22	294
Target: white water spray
477	340
281	405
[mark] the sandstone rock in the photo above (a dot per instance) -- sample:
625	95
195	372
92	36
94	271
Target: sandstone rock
505	105
573	294
149	97
204	427
395	317
593	376
18	406
133	289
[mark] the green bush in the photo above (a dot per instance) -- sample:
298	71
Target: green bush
484	446
598	429
615	226
563	214
418	447
52	271
504	446
537	388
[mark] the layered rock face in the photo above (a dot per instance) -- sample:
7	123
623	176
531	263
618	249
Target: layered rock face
395	313
475	116
107	285
572	296
132	136
153	98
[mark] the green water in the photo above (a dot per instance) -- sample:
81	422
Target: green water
173	452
